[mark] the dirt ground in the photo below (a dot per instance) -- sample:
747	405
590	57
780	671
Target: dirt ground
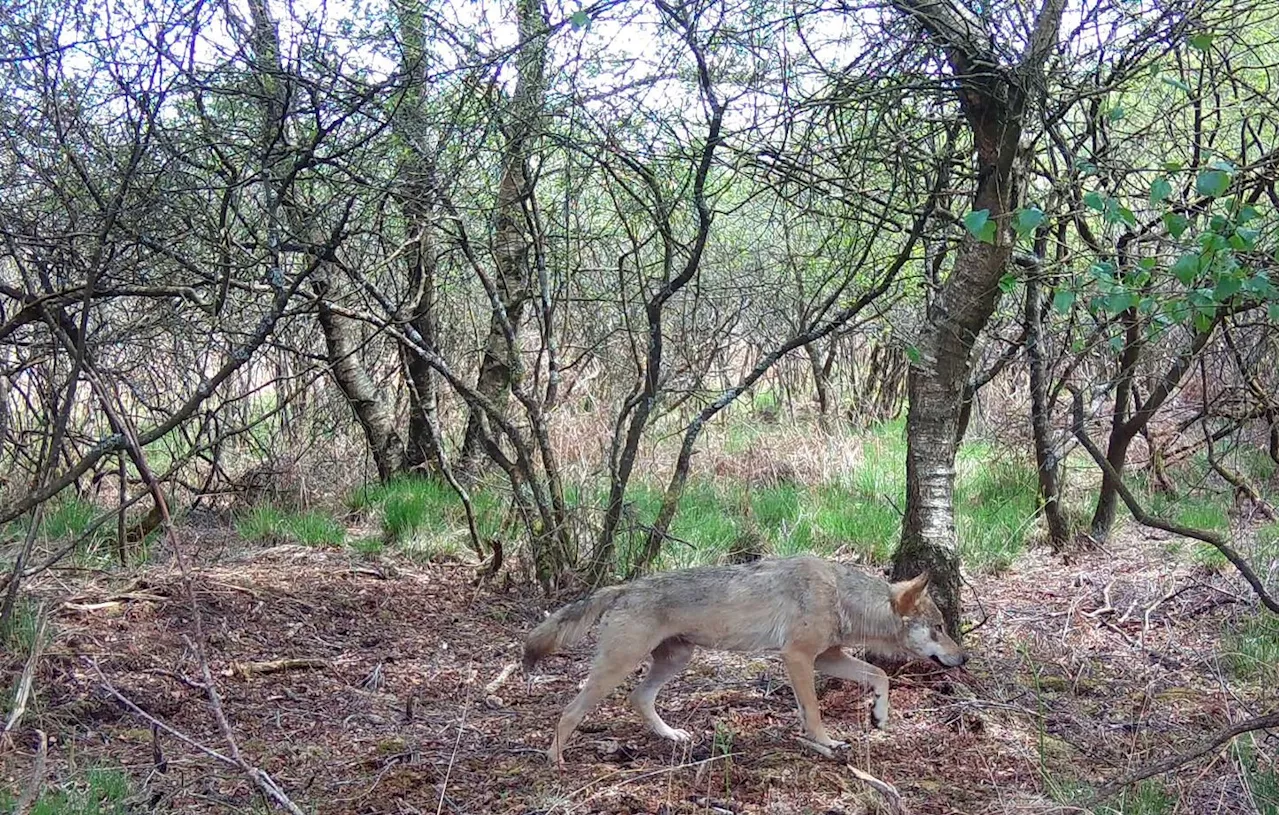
397	700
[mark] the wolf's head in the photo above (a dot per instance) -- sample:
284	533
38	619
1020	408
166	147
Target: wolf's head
924	634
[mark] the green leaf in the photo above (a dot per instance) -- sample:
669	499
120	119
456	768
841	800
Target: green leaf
1103	271
1187	269
977	223
1120	301
1273	312
1147	264
1095	201
1227	288
1247	213
1115	114
1212	183
1008	283
1063	300
1116	342
1125	214
1201	42
1248	239
1027	220
1147	305
1172	166
1259	284
579	19
1160	190
1177	83
1176	223
913	354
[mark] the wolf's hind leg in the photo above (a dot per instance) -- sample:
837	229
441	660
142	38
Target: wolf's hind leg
835	662
669	659
619	653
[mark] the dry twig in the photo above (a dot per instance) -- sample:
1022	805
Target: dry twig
32	792
24	684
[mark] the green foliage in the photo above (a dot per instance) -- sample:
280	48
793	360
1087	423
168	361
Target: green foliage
21	636
981	226
273	525
1148	797
103	792
1250	650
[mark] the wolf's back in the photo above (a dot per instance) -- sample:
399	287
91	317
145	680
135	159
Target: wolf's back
568	625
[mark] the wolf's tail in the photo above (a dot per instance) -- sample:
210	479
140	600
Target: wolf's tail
568	625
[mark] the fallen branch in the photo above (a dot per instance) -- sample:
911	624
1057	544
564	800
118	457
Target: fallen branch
886	790
246	670
810	744
1165	765
502	677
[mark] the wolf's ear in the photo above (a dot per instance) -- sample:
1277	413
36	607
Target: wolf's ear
904	595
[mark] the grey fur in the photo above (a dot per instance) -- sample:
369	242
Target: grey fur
804	607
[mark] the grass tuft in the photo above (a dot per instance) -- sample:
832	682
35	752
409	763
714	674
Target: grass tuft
270	524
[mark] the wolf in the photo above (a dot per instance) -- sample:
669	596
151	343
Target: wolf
806	608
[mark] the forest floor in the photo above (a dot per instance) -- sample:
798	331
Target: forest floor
399	698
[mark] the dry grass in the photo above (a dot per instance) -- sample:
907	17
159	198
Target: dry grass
1082	671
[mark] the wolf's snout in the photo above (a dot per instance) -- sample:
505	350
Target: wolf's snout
950	660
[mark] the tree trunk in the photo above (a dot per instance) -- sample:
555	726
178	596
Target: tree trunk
342	339
1050	490
822	383
993	102
341	336
933	420
1124	427
512	237
417	197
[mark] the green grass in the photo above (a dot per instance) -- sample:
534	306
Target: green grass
995	508
861	513
425	518
102	792
1148	797
273	525
1250	650
1259	775
21	635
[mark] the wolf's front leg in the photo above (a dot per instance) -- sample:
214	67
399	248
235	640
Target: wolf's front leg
835	662
800	671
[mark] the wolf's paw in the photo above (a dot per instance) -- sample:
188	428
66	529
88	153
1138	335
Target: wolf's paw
675	734
832	744
880	716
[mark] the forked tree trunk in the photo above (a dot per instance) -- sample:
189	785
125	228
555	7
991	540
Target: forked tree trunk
342	336
822	383
1125	425
993	102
